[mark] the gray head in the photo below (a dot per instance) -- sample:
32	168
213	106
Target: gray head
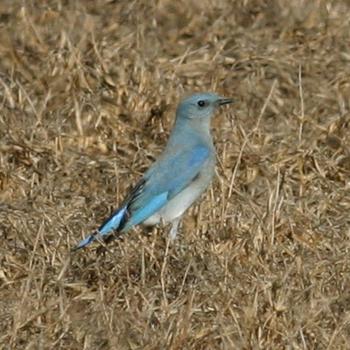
200	106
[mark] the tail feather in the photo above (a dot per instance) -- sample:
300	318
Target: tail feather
86	241
113	223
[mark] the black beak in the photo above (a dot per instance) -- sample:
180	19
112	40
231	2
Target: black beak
225	101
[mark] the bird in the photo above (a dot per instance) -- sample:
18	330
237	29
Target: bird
179	176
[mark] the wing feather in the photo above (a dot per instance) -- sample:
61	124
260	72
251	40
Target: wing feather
164	180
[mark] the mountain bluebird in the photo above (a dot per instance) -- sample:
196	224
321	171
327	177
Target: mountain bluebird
179	176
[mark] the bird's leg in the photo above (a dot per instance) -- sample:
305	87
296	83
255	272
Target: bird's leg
174	228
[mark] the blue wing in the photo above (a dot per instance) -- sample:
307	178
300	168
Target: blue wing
173	172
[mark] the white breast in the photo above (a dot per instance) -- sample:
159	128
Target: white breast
182	201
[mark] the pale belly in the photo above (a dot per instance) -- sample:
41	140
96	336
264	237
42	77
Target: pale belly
182	201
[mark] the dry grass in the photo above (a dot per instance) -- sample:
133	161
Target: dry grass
88	90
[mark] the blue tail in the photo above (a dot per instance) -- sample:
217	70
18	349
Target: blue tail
114	222
137	207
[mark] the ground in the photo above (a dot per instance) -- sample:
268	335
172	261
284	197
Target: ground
88	95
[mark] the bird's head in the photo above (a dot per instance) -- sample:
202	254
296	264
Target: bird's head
200	106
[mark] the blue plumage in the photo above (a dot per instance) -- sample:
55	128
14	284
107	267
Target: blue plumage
181	173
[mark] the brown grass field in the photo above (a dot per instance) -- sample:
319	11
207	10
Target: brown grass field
88	92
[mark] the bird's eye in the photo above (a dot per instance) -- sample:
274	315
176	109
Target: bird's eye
201	103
